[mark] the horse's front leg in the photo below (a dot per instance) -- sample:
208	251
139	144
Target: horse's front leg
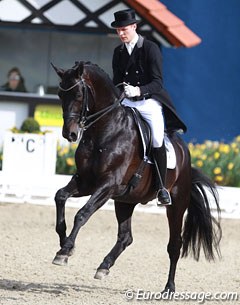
60	199
93	204
124	213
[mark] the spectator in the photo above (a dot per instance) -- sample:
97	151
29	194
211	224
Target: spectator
15	81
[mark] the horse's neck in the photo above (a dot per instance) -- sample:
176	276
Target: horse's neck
103	91
103	98
109	124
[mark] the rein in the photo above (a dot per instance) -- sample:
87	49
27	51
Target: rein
83	118
100	113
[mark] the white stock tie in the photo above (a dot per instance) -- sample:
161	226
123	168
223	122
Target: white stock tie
130	47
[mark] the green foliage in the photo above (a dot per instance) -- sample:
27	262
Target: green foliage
218	160
30	125
65	159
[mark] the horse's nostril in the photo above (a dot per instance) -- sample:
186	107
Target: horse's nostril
73	136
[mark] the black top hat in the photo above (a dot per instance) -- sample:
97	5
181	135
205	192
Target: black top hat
124	18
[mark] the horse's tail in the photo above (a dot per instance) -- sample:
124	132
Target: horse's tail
201	229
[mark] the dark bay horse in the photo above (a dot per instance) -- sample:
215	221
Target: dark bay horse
108	155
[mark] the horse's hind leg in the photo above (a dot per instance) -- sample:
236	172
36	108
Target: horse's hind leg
175	218
124	216
60	199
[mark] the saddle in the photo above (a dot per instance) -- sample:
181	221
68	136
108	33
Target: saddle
145	134
146	139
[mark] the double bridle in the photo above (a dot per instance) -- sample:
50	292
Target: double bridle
85	121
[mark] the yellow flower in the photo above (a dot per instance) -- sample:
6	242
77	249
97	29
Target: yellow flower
219	178
230	165
204	157
217	170
74	146
238	139
63	151
191	147
216	155
196	153
70	161
199	163
225	148
234	145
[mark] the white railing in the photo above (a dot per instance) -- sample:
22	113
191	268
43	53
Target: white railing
35	189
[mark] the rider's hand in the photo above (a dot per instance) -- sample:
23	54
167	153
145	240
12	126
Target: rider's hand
131	91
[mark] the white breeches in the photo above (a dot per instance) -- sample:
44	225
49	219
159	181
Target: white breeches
151	110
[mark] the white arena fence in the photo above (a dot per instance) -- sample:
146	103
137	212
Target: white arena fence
33	189
28	176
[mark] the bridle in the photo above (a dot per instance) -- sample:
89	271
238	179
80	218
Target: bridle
86	121
68	89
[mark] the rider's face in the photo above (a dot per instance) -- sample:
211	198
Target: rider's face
127	33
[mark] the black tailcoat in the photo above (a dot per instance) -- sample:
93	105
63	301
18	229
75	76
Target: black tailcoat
143	68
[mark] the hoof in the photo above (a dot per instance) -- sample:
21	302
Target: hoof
60	260
101	273
168	291
71	252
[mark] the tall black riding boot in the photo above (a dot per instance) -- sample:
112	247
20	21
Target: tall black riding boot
160	160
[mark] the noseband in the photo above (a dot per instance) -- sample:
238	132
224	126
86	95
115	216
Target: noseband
83	119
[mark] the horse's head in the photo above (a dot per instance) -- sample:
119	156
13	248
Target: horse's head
78	105
72	93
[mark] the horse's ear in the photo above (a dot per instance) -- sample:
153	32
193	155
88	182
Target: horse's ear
58	71
80	68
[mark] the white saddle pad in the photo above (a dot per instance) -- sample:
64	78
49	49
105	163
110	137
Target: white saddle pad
171	155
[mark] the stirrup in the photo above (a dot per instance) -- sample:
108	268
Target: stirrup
162	204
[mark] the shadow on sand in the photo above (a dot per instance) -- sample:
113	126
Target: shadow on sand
51	288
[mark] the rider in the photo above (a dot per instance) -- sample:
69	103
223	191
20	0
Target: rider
137	63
